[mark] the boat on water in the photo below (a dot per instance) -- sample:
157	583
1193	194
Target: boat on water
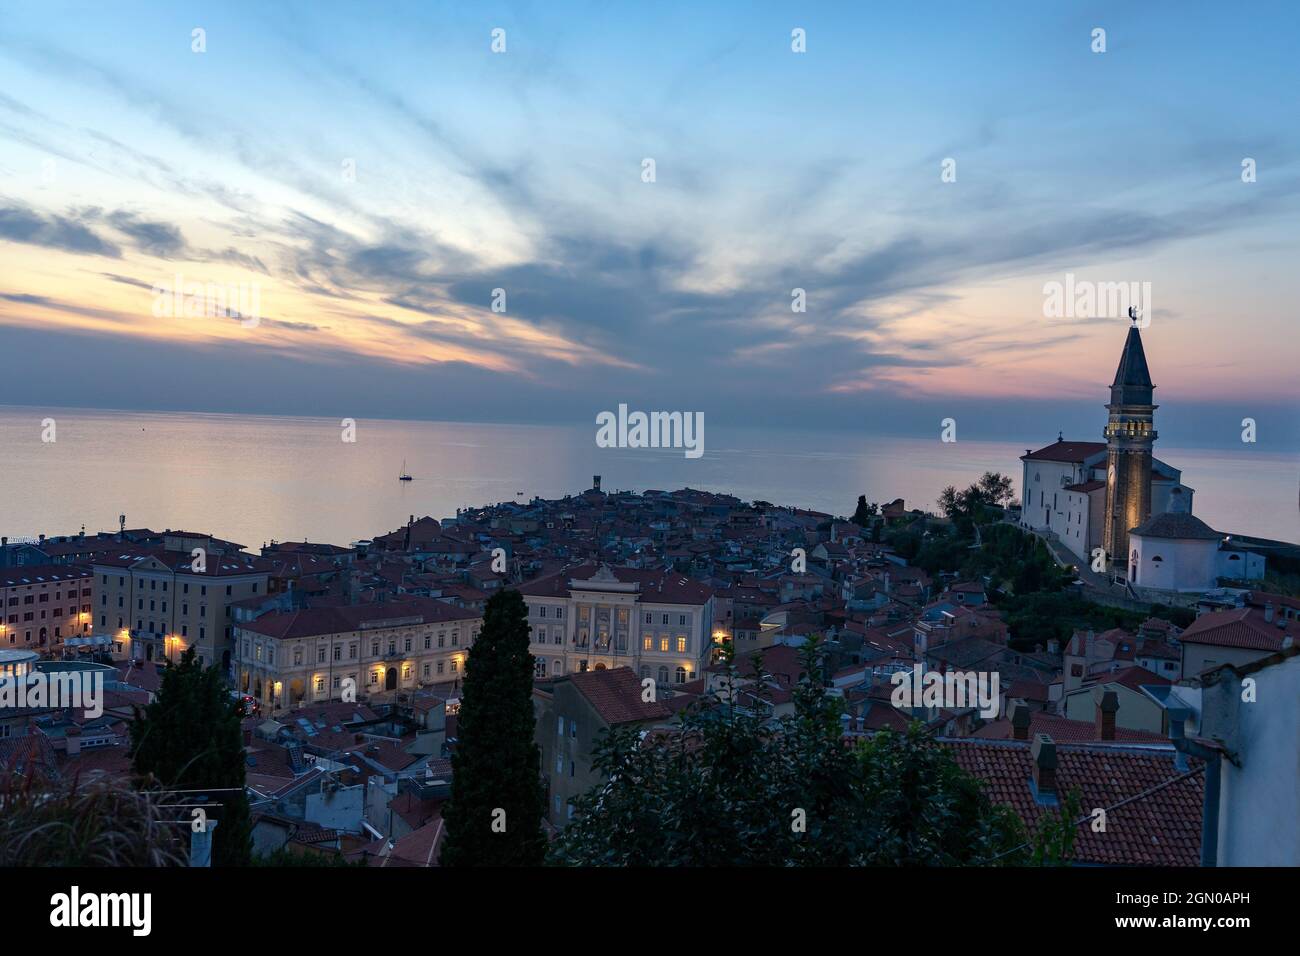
403	476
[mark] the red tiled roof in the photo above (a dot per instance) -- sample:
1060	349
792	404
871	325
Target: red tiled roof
616	695
417	848
1160	829
779	660
1064	729
1177	526
1072	451
1086	486
1133	678
1238	627
216	565
26	574
312	621
1028	690
657	586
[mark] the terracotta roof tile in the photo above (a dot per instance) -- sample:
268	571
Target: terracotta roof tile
1160	829
1072	451
1239	627
616	695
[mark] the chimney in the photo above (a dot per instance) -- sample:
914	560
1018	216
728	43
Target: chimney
595	482
73	736
1177	719
1043	751
1107	704
1268	613
1019	720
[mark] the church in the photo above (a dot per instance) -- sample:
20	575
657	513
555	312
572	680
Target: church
1116	496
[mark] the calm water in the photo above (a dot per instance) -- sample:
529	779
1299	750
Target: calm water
253	478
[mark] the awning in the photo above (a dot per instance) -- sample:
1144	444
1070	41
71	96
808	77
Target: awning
96	640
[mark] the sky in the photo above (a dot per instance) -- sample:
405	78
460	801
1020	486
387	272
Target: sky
921	172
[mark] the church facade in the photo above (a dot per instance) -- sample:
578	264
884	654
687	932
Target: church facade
1112	495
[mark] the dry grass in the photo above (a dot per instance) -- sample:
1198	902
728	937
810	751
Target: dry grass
47	822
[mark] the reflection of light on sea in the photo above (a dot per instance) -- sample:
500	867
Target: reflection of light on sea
254	478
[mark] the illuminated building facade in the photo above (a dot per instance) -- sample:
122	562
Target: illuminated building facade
311	655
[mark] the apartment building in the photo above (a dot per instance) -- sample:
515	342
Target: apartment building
572	713
286	658
44	605
155	603
591	617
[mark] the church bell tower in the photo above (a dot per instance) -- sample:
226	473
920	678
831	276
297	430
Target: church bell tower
1130	435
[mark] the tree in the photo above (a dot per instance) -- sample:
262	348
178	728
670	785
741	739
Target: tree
735	787
865	512
996	488
189	739
950	503
494	816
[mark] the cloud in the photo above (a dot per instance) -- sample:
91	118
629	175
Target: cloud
26	225
151	237
127	280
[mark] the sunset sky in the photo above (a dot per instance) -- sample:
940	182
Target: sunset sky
126	160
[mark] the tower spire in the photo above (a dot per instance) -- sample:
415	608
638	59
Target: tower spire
1132	385
1130	437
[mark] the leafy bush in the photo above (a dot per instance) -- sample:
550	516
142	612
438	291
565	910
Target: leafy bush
729	787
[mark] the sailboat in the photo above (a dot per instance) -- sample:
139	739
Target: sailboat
403	476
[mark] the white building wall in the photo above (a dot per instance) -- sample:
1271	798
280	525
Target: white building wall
1172	564
1259	811
562	618
1042	482
1240	565
1168	496
1073	523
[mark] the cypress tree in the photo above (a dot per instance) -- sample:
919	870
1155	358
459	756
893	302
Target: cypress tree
189	739
494	816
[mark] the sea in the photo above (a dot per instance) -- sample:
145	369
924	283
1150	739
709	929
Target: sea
254	479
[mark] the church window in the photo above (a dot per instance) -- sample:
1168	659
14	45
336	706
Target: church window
1156	558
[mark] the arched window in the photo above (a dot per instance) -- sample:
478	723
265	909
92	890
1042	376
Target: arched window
663	674
1156	558
681	675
